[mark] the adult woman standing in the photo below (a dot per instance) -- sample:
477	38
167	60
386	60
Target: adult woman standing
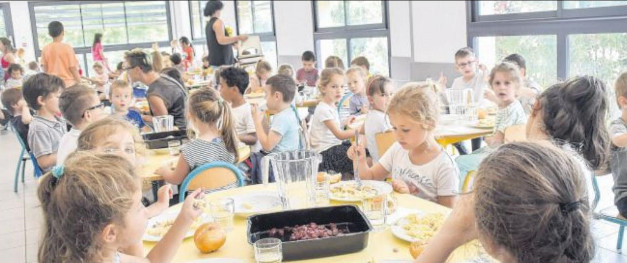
8	56
97	51
219	44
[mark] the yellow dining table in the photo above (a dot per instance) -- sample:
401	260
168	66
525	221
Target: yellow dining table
382	245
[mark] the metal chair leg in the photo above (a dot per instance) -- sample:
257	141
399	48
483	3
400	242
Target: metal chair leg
619	243
17	170
23	169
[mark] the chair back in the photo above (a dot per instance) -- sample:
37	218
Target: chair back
211	176
515	133
384	140
468	181
36	168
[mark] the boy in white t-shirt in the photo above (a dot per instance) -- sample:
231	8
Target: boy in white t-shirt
233	83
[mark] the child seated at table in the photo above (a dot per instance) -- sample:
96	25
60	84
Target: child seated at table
263	70
205	63
417	164
20	116
379	90
363	63
326	131
112	218
41	93
80	106
287	70
529	89
233	84
15	76
308	74
618	133
212	121
121	95
177	62
505	81
334	62
529	204
100	80
356	78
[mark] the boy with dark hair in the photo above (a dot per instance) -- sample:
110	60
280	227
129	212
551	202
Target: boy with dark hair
308	74
21	116
42	92
284	129
58	58
233	84
15	76
529	89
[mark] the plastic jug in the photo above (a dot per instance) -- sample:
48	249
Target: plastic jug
295	174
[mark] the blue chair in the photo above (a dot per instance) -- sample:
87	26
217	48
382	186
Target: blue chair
214	175
21	162
609	214
344	100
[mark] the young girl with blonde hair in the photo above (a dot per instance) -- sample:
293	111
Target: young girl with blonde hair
326	130
416	162
211	119
92	208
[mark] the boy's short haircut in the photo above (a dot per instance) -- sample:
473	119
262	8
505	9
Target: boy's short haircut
55	28
361	61
516	59
97	65
40	84
74	101
235	77
620	87
139	58
464	52
120	84
283	84
33	65
308	56
286	69
176	58
10	97
14	67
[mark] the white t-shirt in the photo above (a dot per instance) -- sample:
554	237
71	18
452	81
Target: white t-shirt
321	137
375	123
67	145
243	122
439	177
477	84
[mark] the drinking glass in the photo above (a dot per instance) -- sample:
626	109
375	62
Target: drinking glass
321	192
268	250
374	206
223	211
163	123
175	147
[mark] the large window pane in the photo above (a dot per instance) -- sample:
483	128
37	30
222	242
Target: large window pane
68	14
333	47
511	7
375	50
245	17
269	53
197	18
364	12
540	53
330	13
107	19
3	26
147	21
591	4
263	16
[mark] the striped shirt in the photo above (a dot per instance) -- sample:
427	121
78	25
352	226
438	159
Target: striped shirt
198	152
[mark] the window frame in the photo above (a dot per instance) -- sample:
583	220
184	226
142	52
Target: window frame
350	32
83	51
8	22
561	23
265	36
191	21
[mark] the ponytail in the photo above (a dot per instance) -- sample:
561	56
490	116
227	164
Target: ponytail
227	130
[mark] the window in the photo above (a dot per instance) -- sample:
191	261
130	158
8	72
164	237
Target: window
257	18
196	10
349	29
511	7
591	4
124	24
6	26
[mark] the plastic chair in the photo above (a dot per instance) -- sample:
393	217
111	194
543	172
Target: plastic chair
384	141
608	214
343	104
468	182
21	162
212	175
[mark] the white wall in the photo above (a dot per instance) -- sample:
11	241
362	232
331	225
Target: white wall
294	27
439	30
400	29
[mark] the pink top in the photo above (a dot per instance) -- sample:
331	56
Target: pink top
5	65
97	51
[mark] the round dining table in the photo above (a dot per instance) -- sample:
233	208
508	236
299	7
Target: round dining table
382	246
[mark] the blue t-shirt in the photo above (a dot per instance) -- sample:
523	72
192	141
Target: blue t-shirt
286	124
135	118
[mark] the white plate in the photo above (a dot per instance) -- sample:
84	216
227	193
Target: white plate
217	260
204	218
260	202
397	227
382	188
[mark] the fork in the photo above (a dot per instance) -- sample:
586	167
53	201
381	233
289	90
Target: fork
356	161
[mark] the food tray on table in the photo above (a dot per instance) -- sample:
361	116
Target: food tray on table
159	140
346	229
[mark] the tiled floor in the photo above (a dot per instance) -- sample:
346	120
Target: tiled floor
21	217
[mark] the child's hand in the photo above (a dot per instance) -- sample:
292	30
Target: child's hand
442	80
192	207
257	114
356	151
400	186
164	195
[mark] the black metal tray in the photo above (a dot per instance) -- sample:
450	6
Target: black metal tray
345	216
158	140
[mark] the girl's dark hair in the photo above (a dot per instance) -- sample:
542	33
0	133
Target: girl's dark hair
530	199
185	40
7	44
97	39
574	113
213	6
173	73
376	84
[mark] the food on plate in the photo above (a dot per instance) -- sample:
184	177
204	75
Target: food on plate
422	228
308	231
209	237
333	178
352	191
247	206
416	248
159	228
